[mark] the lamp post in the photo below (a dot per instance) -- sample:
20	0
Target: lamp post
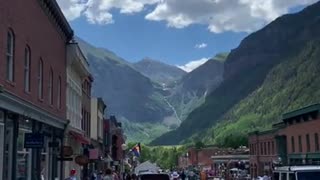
124	148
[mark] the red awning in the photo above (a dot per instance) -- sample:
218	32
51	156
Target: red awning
79	137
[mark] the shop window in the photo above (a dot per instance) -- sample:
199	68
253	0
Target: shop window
316	141
9	146
308	142
1	142
23	165
10	56
292	144
300	144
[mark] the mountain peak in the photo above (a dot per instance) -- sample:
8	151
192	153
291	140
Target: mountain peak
158	71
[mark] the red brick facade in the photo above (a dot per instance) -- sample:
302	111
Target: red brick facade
294	141
32	27
263	152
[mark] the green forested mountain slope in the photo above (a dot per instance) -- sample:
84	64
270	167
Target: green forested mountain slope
293	84
246	69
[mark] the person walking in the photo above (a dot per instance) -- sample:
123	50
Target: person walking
108	175
72	176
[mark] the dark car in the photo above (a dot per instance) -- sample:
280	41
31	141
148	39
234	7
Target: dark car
154	177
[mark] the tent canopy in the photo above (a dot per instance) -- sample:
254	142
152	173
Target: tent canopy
146	167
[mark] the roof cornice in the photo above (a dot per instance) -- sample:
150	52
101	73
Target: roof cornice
54	13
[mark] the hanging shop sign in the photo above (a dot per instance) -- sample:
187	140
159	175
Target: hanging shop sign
67	151
33	140
82	160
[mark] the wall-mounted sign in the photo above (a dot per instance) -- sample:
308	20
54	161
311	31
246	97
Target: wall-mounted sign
33	140
81	160
67	151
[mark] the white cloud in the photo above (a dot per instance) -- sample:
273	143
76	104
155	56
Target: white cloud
193	64
200	46
217	15
98	11
72	9
222	15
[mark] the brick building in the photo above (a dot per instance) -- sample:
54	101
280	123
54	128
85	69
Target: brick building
32	88
294	141
201	157
263	152
114	138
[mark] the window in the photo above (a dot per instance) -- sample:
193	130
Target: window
269	148
316	142
40	79
273	148
50	87
27	65
10	56
261	148
300	144
59	93
308	142
265	148
292	144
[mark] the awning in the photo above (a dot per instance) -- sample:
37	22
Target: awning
79	137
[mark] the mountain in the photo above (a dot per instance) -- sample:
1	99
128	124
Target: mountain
191	90
292	40
158	71
132	97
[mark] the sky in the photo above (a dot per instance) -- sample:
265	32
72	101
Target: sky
184	33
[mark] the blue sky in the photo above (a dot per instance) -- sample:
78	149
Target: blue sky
173	31
133	38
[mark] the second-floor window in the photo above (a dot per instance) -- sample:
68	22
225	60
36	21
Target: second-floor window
10	56
59	93
316	142
40	79
308	142
292	144
50	87
300	144
27	65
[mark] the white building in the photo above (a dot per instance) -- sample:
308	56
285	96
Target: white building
77	71
96	132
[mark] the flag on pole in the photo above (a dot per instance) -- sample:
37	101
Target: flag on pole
136	150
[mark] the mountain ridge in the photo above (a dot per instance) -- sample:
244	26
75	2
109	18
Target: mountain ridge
246	68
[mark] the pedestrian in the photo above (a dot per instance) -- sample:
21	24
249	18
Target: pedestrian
108	175
183	175
72	176
134	177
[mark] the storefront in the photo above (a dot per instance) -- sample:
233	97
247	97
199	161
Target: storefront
19	162
30	140
76	141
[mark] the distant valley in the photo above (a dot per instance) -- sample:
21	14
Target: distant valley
149	97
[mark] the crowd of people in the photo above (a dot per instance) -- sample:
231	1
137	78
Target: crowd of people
107	175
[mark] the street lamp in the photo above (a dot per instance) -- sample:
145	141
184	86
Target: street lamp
124	148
